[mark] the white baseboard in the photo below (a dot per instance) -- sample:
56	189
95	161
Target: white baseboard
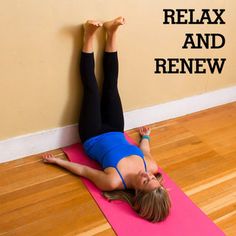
26	145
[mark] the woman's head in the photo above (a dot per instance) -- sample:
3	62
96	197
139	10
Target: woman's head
145	181
153	206
150	200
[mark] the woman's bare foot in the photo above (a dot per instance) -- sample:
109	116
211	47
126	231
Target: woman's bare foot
112	26
49	158
90	27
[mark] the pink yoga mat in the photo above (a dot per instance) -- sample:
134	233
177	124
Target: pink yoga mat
185	218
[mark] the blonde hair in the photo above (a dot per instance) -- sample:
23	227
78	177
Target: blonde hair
153	206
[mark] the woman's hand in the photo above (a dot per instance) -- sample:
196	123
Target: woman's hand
49	158
145	130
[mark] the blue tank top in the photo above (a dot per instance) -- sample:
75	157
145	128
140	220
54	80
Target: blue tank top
109	148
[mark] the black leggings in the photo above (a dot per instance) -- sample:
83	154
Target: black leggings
98	116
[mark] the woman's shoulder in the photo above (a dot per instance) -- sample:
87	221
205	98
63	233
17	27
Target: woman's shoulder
114	178
151	163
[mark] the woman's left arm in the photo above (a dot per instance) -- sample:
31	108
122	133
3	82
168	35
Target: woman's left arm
145	147
144	143
102	180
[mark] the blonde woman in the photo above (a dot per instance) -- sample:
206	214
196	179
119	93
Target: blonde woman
129	172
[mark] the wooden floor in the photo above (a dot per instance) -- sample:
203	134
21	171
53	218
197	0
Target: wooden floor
197	151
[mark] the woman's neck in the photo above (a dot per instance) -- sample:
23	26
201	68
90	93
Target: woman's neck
130	180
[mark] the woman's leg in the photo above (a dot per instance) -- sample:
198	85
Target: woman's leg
111	107
90	115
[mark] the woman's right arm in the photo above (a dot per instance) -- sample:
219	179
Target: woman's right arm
102	180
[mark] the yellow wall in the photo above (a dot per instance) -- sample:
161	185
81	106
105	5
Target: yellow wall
39	47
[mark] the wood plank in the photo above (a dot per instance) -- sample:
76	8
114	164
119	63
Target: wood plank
63	210
23	161
216	197
228	225
217	180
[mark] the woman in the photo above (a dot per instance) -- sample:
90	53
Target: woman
128	171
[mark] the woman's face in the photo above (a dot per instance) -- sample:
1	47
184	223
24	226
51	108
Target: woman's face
146	181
